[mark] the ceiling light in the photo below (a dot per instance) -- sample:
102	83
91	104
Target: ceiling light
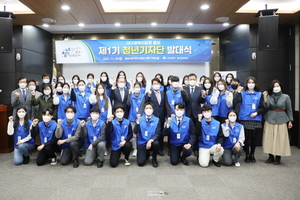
122	38
48	20
204	7
153	24
81	24
226	24
190	24
65	7
45	25
149	37
178	37
222	19
117	24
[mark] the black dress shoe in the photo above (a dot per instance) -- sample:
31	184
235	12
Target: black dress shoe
161	153
185	162
247	159
100	164
76	163
252	158
26	160
196	153
217	164
154	163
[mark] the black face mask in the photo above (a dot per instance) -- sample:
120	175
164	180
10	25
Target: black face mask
234	86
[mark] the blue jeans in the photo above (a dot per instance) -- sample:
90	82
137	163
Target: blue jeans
23	150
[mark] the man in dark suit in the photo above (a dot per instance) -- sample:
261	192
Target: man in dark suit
119	96
193	106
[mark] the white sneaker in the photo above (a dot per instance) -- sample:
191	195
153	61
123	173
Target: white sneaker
53	161
126	162
237	164
134	153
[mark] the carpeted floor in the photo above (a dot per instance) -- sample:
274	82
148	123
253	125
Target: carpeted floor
250	181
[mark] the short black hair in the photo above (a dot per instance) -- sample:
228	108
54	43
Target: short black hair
81	81
47	85
175	79
206	108
66	84
95	109
90	74
232	111
180	105
119	106
155	79
32	80
72	107
192	74
44	75
21	79
76	77
148	103
44	111
236	80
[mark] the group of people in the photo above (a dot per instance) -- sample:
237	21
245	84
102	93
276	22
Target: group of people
204	117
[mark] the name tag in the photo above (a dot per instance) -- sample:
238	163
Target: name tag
45	139
146	133
207	137
102	109
94	138
173	102
19	138
178	136
137	109
253	106
234	140
69	135
122	138
84	105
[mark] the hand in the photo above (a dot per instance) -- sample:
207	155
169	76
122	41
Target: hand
19	142
97	81
33	93
181	88
132	81
94	90
265	93
253	115
149	93
169	120
90	147
227	92
290	125
72	85
240	88
17	94
219	147
122	143
82	123
35	122
227	122
40	147
199	117
54	92
111	118
148	145
203	93
59	121
215	90
10	118
59	142
113	78
138	118
172	115
237	146
187	146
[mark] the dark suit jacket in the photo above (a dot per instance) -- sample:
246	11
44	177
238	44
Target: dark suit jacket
193	105
20	101
116	100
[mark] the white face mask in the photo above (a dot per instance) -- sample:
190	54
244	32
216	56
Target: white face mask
94	116
207	85
75	82
186	82
156	87
90	80
139	79
47	92
179	113
221	87
192	83
81	88
207	115
251	85
217	78
46	118
121	76
66	90
103	79
121	85
21	115
120	115
62	81
276	89
59	89
175	84
70	115
148	112
137	90
46	80
232	119
22	85
228	80
100	91
32	87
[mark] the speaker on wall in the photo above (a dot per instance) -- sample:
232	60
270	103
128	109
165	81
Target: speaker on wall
268	32
5	34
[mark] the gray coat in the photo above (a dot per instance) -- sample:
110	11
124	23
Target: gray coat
275	114
20	101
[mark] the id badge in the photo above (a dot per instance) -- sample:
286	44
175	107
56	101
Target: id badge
207	137
234	140
69	135
94	138
84	105
178	136
45	139
102	109
253	106
137	109
122	138
19	138
173	102
146	133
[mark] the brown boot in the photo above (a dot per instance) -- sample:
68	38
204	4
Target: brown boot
270	159
277	160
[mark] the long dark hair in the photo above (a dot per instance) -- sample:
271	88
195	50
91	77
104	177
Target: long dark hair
162	78
119	75
271	86
104	96
17	120
108	85
213	79
144	81
169	78
256	88
211	87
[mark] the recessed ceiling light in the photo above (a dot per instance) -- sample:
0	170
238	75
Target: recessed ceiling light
150	37
65	7
153	24
48	20
81	24
117	24
45	25
226	24
204	7
178	37
122	38
222	19
190	24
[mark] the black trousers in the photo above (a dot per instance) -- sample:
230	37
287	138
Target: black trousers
47	152
250	141
143	154
177	152
71	152
161	138
115	155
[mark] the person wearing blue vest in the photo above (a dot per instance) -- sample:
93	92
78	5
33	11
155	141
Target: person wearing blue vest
176	94
45	130
74	83
63	100
181	132
96	144
119	133
83	101
210	136
228	79
20	129
233	140
250	102
104	79
211	95
90	83
70	133
148	130
103	102
225	99
134	102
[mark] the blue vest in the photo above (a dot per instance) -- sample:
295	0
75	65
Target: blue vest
223	108
82	105
174	98
147	129
46	132
215	107
233	138
120	131
88	88
62	105
143	90
93	132
69	130
103	111
22	133
209	135
180	135
135	106
107	90
247	105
